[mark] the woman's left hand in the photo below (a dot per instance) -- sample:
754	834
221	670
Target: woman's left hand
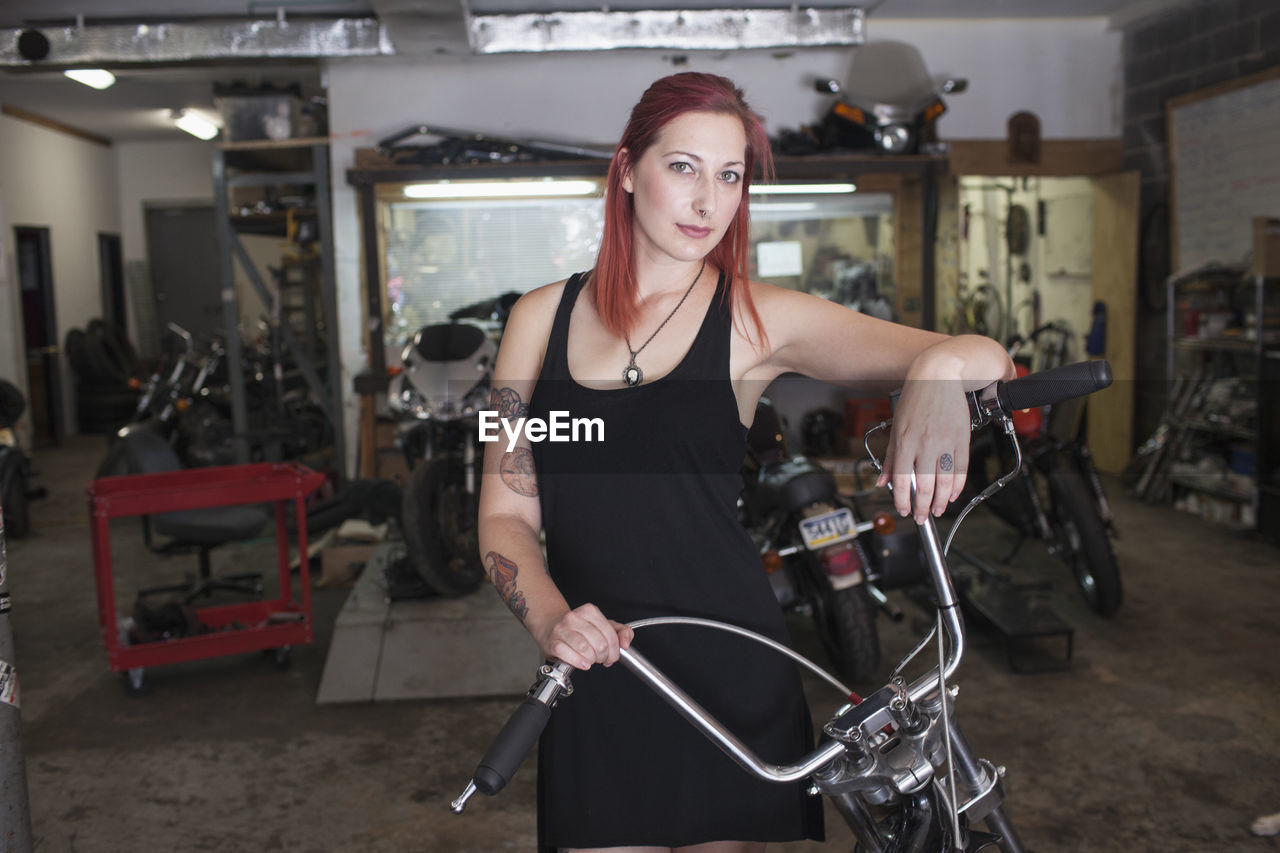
930	439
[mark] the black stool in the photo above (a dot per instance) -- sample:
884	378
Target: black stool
200	529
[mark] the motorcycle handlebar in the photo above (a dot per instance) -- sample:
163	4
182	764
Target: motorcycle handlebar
1054	385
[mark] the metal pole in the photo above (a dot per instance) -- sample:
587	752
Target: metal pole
15	808
230	309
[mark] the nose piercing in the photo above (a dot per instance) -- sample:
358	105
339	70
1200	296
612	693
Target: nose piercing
703	214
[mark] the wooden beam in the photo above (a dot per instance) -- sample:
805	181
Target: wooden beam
52	124
1058	158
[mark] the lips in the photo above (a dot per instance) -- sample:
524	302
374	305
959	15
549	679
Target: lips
694	231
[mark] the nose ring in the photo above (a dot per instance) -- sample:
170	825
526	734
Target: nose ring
703	214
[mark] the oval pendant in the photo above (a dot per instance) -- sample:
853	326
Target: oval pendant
632	376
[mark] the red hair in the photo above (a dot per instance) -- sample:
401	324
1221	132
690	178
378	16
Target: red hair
615	274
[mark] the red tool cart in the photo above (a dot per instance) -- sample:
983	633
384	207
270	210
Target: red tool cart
233	628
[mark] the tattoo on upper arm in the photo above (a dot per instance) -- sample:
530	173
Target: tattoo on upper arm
508	403
502	572
518	472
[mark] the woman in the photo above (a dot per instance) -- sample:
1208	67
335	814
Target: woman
668	345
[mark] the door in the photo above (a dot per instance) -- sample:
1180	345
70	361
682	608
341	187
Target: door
182	251
111	280
1115	285
40	334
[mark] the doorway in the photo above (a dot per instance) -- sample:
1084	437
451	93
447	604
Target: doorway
40	334
186	269
111	280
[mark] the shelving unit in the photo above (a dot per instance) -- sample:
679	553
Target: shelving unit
1223	358
281	169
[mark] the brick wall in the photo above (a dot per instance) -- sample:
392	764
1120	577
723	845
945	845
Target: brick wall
1197	44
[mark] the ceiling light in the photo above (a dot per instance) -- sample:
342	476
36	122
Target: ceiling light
799	207
194	123
802	189
501	189
98	78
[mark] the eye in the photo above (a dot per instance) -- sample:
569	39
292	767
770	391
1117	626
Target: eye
730	177
681	167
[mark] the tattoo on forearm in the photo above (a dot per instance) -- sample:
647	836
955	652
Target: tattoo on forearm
502	572
508	403
518	472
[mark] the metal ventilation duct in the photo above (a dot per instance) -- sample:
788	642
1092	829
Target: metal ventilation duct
106	45
701	29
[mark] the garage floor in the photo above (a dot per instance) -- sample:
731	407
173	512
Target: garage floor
1162	735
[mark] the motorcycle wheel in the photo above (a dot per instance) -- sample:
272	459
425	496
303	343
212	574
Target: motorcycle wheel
441	528
847	627
1093	562
115	463
13	500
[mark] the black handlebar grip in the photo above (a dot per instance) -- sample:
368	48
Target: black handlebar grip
1054	385
511	746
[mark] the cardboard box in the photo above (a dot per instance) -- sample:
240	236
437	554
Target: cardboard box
1266	246
342	562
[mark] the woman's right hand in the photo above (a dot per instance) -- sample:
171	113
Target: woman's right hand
583	637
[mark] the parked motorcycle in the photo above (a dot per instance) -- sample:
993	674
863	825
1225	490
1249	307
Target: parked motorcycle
888	104
448	368
1058	498
824	554
15	469
178	382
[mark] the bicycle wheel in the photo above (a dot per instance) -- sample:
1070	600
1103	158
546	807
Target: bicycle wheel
1093	562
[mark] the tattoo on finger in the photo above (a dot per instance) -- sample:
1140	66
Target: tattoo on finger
946	462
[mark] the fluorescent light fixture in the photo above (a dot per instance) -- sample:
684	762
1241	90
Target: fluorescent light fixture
784	207
194	123
802	189
98	78
501	189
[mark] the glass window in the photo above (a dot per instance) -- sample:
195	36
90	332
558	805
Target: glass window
445	254
837	247
442	254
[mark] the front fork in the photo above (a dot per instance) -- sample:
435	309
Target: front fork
923	822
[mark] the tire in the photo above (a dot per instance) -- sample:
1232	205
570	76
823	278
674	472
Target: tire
13	497
1088	546
847	627
441	528
116	462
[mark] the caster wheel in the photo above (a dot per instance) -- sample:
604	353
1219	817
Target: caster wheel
135	682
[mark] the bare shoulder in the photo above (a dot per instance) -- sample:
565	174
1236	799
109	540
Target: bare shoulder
524	339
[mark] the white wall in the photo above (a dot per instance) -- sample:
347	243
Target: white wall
1067	72
159	171
50	179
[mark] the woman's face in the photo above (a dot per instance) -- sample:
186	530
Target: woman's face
686	187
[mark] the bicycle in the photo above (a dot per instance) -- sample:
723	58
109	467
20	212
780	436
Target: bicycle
899	750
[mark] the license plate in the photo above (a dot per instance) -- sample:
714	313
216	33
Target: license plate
829	528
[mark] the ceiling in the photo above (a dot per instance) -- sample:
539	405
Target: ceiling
137	106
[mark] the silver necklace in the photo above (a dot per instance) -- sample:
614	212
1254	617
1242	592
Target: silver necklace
633	375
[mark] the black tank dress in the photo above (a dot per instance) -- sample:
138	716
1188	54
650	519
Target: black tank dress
644	523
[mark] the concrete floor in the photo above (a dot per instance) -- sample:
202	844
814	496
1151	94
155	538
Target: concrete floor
1163	735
